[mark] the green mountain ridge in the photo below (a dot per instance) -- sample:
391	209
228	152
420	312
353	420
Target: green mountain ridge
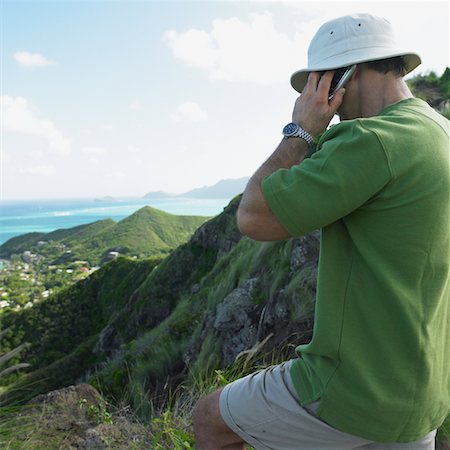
147	232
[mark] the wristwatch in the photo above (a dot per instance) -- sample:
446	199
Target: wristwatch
294	130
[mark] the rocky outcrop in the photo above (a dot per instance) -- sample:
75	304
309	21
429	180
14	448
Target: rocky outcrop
77	417
235	321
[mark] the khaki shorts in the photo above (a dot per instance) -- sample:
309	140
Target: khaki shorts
264	410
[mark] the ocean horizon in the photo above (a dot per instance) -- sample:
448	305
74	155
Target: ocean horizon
18	217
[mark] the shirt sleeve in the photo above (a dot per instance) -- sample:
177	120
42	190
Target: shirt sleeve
349	168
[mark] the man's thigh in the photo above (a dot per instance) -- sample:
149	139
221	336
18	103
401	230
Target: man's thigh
264	409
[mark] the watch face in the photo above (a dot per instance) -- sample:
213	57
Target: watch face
289	129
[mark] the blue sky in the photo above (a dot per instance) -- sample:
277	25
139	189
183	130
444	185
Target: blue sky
125	97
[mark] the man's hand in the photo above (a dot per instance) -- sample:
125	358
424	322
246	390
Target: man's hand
312	111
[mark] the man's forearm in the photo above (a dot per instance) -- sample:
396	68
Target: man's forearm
253	207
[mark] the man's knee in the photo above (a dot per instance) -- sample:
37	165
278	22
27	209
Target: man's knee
210	430
206	412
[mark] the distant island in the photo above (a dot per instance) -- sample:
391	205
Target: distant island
223	189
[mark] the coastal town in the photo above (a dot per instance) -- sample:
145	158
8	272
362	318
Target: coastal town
37	273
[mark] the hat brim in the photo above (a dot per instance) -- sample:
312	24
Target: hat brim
300	77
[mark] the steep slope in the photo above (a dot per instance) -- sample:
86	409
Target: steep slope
256	292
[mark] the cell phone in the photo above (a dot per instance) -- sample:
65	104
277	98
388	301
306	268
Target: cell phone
340	79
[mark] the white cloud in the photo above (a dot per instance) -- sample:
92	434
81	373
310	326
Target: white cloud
194	47
20	116
42	170
237	50
134	149
94	151
256	50
27	59
190	111
36	154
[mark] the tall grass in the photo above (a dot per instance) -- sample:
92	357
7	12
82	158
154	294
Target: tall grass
16	428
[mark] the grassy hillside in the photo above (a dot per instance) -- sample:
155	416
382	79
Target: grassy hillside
147	232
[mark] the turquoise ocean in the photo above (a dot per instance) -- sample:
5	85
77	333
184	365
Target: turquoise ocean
26	216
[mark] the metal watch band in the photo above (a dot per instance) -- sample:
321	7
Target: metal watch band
301	133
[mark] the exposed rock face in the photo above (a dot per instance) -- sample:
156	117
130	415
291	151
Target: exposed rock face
235	321
70	396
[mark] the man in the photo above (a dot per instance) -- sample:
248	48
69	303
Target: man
376	373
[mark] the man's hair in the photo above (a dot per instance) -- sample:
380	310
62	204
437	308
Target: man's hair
396	65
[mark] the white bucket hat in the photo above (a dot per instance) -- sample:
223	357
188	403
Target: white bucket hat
350	40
